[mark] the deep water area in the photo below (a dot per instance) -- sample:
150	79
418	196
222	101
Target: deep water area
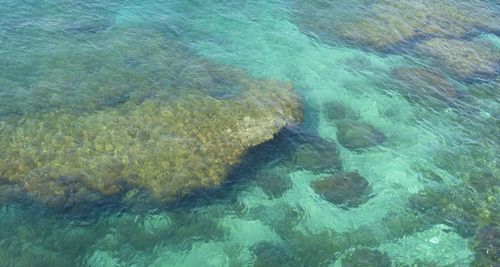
250	133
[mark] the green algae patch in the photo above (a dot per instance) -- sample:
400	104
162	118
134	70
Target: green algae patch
166	147
383	24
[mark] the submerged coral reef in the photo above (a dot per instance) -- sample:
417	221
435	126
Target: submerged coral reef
165	127
344	189
445	32
382	24
463	59
357	135
425	87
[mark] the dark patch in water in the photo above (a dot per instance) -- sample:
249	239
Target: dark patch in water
272	254
347	190
365	257
116	101
86	27
272	183
487	246
273	153
357	135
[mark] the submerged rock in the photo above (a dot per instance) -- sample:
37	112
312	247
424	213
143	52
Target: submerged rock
281	217
302	149
335	111
344	189
321	156
355	135
312	249
273	184
168	139
164	147
365	257
192	226
463	59
272	254
385	23
425	87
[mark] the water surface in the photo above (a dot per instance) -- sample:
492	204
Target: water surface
431	170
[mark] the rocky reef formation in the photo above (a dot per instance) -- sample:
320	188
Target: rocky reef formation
344	189
166	127
335	111
459	206
272	254
166	147
317	156
352	133
356	135
425	87
274	184
470	203
382	24
463	59
446	33
298	148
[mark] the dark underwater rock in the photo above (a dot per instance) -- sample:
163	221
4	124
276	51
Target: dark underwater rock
365	257
344	189
281	217
355	135
335	111
273	184
317	157
425	87
300	148
466	60
193	226
272	254
312	249
487	246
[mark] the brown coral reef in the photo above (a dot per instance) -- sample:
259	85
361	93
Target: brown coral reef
463	59
384	23
178	136
444	32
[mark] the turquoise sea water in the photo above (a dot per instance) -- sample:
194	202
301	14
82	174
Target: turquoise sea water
434	181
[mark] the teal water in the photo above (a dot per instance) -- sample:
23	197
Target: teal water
434	179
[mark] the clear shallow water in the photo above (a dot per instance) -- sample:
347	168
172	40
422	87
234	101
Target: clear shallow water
434	180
